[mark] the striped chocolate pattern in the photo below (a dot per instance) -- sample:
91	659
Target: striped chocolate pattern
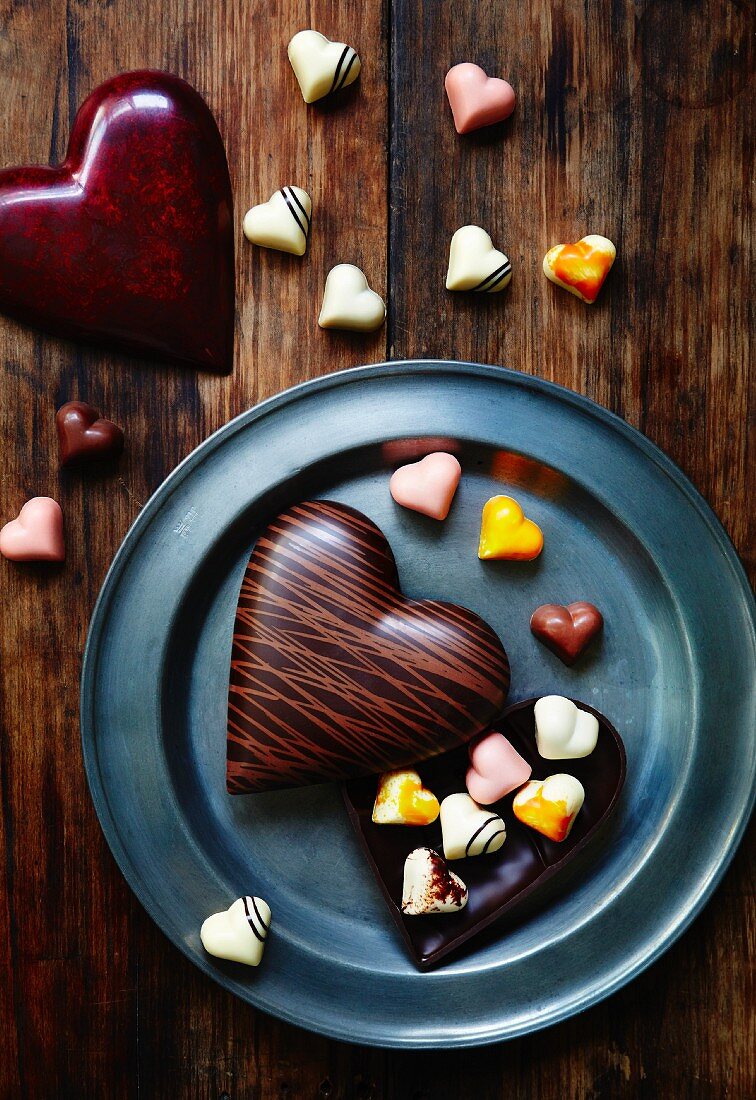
493	282
347	59
334	673
255	918
484	836
297	210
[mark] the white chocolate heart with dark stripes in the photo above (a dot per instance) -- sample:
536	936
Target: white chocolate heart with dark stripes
468	829
238	934
322	66
474	263
283	222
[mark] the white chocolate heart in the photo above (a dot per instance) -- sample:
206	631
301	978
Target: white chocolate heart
429	885
238	933
468	829
563	732
474	263
283	222
322	66
349	303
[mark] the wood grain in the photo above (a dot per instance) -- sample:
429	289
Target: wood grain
633	121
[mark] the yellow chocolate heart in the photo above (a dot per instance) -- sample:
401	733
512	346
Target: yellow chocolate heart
581	267
506	533
418	805
403	800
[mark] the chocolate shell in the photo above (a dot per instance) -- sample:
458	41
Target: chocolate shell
511	881
336	674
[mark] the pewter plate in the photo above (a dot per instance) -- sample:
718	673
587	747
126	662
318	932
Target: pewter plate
674	671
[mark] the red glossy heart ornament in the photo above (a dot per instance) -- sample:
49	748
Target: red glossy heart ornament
130	241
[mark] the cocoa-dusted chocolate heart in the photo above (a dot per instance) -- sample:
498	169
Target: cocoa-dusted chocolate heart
335	673
130	241
84	436
566	631
509	882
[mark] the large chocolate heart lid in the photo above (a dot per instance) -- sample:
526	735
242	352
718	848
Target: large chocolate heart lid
334	672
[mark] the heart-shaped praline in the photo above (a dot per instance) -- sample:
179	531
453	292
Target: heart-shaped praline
477	99
334	672
129	242
566	631
504	883
36	534
85	436
349	303
427	486
581	267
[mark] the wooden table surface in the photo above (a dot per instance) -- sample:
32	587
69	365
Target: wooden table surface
632	122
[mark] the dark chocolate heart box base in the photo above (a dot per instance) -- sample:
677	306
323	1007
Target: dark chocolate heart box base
505	881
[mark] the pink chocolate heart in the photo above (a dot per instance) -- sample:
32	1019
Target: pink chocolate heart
427	486
476	99
496	768
37	533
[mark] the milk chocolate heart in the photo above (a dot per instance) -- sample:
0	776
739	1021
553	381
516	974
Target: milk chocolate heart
503	884
130	241
335	673
566	631
84	436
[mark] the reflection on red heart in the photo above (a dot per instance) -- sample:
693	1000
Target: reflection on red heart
84	436
334	673
130	241
566	631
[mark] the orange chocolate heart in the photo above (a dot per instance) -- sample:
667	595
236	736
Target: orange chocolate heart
582	267
550	806
506	533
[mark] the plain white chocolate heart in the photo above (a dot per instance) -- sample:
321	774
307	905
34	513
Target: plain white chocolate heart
427	486
474	263
563	732
322	66
550	805
349	303
429	886
238	933
468	829
283	222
